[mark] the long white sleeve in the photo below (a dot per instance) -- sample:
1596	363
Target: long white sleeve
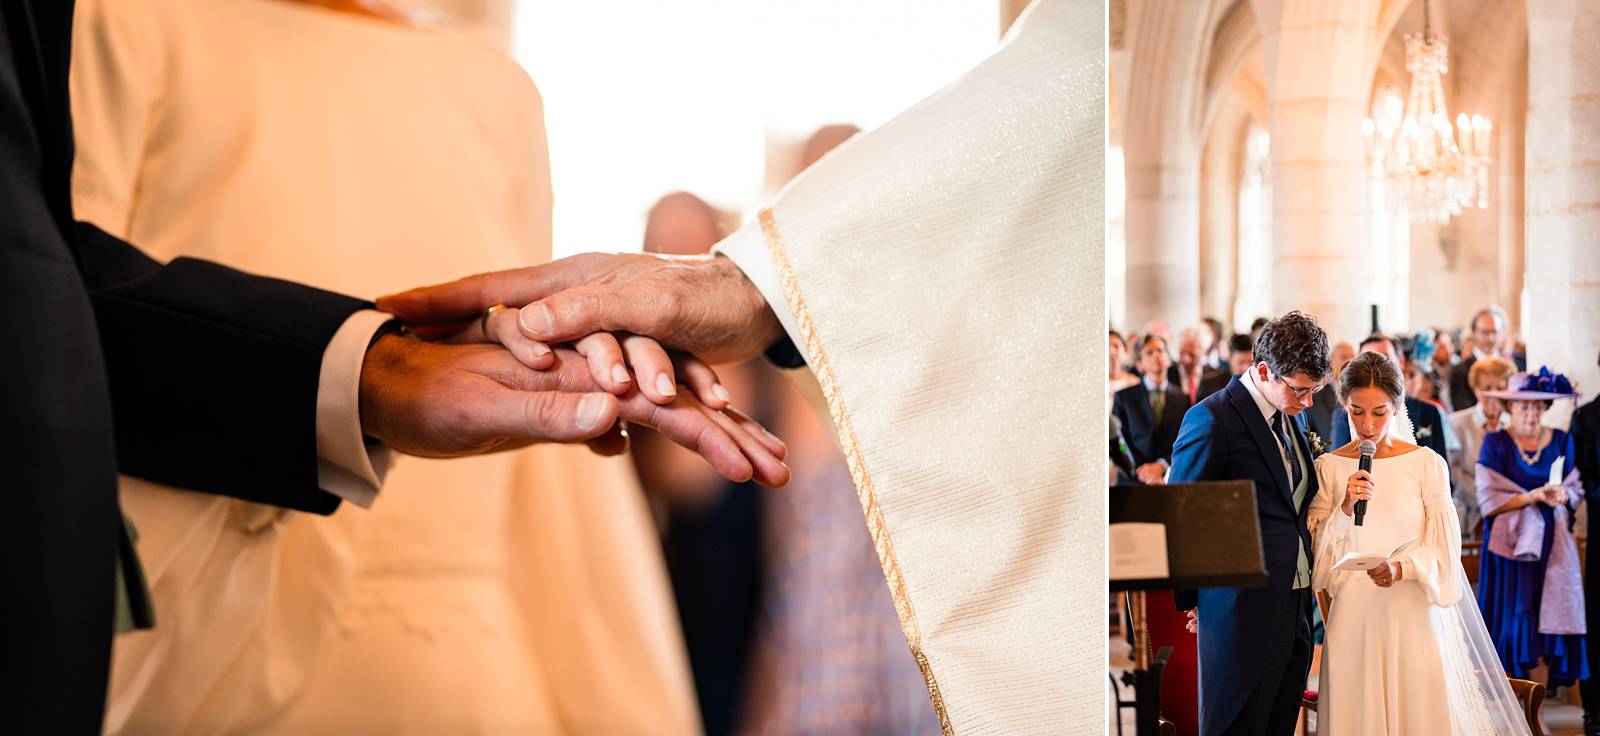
1431	562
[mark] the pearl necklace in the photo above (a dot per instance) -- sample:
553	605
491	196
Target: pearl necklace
1532	458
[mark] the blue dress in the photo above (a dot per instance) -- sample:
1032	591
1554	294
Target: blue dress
1508	590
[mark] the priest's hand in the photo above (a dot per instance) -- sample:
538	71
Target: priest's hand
700	305
438	400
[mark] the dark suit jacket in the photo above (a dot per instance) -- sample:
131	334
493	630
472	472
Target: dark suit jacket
1426	417
186	373
1149	439
1225	438
1461	396
1586	442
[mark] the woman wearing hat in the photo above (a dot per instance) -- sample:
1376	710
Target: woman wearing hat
1530	588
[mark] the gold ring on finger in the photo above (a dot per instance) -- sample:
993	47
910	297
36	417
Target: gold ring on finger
483	322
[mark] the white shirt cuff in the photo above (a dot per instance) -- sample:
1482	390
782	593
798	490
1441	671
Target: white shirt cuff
349	464
747	248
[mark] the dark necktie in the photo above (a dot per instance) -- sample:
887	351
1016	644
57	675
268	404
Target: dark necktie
1288	447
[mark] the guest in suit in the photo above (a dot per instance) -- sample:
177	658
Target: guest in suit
1117	374
1191	369
1150	412
1486	338
1426	419
1319	418
1255	643
1586	458
1241	355
1469	426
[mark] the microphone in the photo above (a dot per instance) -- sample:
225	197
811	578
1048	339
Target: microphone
1367	448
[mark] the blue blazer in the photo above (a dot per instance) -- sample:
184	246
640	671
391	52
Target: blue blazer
1225	437
1149	439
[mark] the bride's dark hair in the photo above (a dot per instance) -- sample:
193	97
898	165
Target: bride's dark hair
1370	370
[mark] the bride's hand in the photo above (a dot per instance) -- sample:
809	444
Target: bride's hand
1386	574
616	361
1358	487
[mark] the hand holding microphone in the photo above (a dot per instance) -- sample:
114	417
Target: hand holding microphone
1359	486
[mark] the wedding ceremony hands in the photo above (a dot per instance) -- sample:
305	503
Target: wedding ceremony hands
700	305
445	400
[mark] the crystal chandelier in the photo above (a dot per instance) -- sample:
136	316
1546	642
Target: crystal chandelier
1435	170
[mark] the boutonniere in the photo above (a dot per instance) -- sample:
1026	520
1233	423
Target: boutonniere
1424	433
1318	445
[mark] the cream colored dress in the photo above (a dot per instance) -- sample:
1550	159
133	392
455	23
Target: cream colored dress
518	593
1413	658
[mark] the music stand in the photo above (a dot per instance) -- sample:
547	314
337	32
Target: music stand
1213	540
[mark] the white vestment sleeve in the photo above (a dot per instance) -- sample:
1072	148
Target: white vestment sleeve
349	465
943	277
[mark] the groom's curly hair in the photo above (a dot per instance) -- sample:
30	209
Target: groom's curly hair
1294	343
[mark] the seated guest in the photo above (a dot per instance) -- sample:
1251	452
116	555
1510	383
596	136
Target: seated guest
1241	355
1151	411
1190	370
1426	418
1486	338
1319	418
1529	584
1487	414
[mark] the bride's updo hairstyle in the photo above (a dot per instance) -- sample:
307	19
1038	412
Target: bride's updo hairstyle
1370	370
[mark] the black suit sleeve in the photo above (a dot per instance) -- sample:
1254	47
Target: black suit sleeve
213	372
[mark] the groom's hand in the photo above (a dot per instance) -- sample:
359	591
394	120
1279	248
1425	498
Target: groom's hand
701	305
438	400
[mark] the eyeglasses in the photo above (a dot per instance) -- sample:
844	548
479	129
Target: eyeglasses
1299	392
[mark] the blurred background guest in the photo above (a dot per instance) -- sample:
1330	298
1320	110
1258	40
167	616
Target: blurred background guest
1151	411
1241	355
1216	355
1486	336
1529	585
1486	415
1190	369
1118	376
1324	404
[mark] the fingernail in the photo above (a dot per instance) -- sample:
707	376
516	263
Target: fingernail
589	409
619	374
536	319
718	391
540	350
664	385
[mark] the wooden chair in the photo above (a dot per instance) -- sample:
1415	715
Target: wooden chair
1530	695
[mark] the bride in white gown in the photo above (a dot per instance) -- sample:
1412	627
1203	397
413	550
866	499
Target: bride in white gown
1406	649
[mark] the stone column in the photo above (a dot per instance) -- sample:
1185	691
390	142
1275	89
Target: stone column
1219	213
1562	326
1320	59
1161	145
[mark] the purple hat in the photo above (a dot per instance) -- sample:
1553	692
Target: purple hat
1541	386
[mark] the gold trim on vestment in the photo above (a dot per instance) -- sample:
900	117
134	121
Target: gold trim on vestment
817	358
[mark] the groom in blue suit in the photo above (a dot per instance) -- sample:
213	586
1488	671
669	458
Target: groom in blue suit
1255	643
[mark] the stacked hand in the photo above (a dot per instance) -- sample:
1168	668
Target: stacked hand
1552	495
609	317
